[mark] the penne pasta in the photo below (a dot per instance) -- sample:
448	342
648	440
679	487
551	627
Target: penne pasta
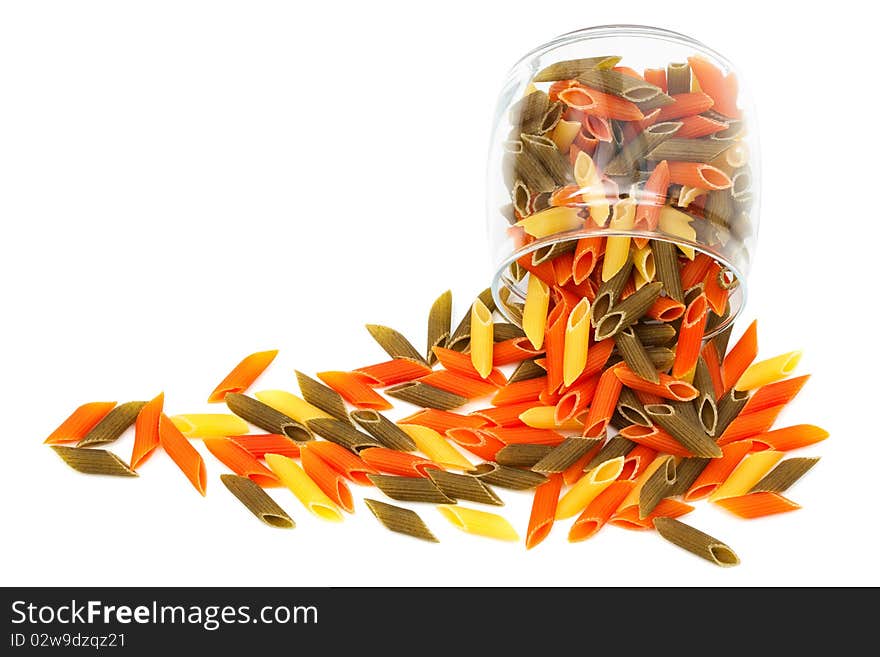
519	392
328	479
482	339
635	355
79	423
572	68
93	461
737	361
523	455
655	438
784	475
442	421
628	518
544	417
758	505
628	312
778	393
410	489
400	520
672	418
535	311
718	470
576	342
543	511
267	418
753	424
588	488
461	336
747	473
342	433
439	325
112	425
146	431
476	441
291	405
397	370
459	384
240	461
391	461
258	445
789	438
564	455
551	221
257	501
322	397
294	478
353	390
616	245
599	511
768	371
464	487
394	344
690	338
351	466
667	388
657	487
427	396
504	476
527	369
481	523
696	542
209	425
243	375
678	78
384	430
183	454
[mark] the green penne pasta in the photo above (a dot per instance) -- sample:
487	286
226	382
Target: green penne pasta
784	475
616	446
502	331
608	293
112	425
620	84
545	151
461	336
695	542
741	183
656	487
527	369
321	396
464	487
93	461
686	472
668	272
734	130
678	78
342	433
675	421
687	150
690	294
653	335
729	406
631	409
504	476
439	325
633	352
267	418
257	501
394	344
426	396
624	163
384	430
718	208
565	454
707	411
541	201
410	489
528	169
659	100
522	455
662	357
551	117
400	520
572	68
522	198
545	253
628	312
528	112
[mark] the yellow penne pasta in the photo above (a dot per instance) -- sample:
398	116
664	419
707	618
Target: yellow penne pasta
646	270
577	340
617	246
748	473
535	311
292	476
481	523
291	405
678	224
436	447
592	189
564	133
636	492
551	221
688	194
543	417
482	339
588	488
210	425
768	371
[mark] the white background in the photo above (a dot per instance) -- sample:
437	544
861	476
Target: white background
183	183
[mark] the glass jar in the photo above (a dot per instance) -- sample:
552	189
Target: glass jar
630	132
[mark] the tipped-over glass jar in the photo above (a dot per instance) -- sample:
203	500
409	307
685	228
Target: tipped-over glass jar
624	151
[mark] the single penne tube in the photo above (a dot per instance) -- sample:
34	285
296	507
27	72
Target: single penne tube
146	431
439	325
294	478
243	375
209	425
746	474
387	373
351	388
784	475
544	417
657	487
291	405
617	246
426	396
410	489
481	523
788	438
482	339
678	78
93	461
572	68
678	224
264	416
240	461
758	505
720	87
620	84
394	343
564	133
599	511
400	520
442	421
566	454
535	311
112	425
768	371
577	340
390	461
509	477
257	501
551	221
635	356
689	103
383	430
464	487
696	542
327	478
667	388
588	487
604	403
592	190
775	394
629	311
543	512
258	445
80	422
676	150
674	419
322	397
521	455
183	454
690	338
342	433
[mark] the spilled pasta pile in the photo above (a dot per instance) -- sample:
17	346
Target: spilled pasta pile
608	406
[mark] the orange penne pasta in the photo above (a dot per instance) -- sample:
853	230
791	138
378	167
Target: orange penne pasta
788	438
686	104
690	337
666	309
696	126
564	196
240	461
525	435
328	479
698	174
654	438
713	363
397	463
442	421
597	355
543	512
258	445
392	372
634	463
718	470
746	426
775	394
652	199
554	343
460	384
586	255
668	388
715	294
80	422
591	101
502	416
562	265
604	403
599	511
460	363
349	465
521	391
695	270
598	127
573	473
575	400
353	390
477	442
722	89
544	271
668	508
513	351
758	505
243	375
182	453
657	77
146	431
740	356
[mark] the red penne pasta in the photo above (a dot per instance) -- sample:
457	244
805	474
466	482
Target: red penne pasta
718	470
654	438
146	431
715	294
690	337
639	458
513	351
576	399
582	142
788	438
183	454
544	271
349	465
599	511
713	363
562	266
586	255
775	394
521	391
686	104
243	375
328	479
477	442
553	93
80	422
746	426
240	461
591	101
652	199
694	271
737	361
598	127
723	89
597	357
694	127
442	421
543	511
525	435
668	388
758	505
666	309
657	77
354	390
460	363
554	343
628	518
460	384
258	445
698	174
604	402
503	416
392	372
397	463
